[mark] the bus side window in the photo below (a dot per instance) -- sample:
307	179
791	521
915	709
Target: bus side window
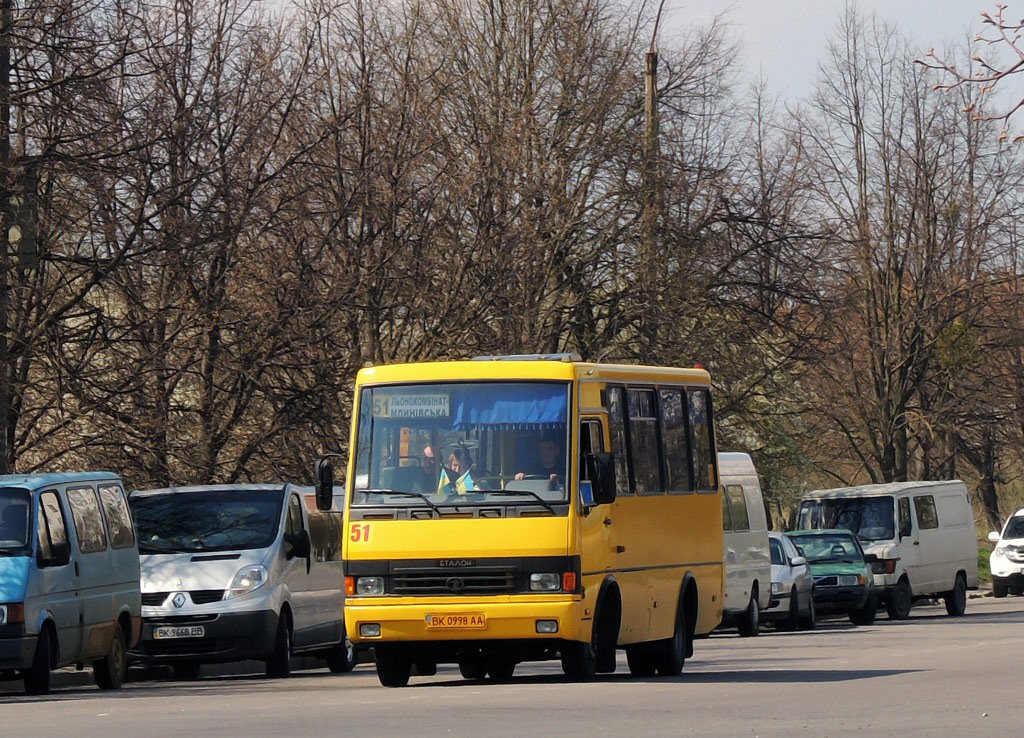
675	441
591	442
703	446
617	433
645	445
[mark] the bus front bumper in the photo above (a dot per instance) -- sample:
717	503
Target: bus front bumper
466	620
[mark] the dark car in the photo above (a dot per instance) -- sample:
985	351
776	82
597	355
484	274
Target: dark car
843	582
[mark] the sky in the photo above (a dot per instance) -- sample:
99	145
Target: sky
785	39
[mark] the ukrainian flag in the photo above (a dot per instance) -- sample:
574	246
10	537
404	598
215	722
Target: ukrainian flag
464	484
444	484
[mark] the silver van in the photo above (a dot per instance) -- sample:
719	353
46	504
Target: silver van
236	572
69	577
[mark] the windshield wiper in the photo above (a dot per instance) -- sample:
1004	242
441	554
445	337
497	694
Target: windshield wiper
527	492
418	495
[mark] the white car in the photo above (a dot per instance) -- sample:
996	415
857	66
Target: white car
792	604
1007	559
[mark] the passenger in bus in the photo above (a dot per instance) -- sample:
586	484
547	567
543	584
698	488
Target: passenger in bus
458	461
549	461
427	481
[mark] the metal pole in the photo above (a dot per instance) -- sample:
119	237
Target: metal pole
6	177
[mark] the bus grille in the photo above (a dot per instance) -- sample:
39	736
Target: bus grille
450	582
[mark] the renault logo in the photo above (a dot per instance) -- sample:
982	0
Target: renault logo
455	584
179	600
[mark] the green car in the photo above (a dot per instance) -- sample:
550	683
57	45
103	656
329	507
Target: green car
843	581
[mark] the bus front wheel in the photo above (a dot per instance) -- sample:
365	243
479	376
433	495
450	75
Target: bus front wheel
394	666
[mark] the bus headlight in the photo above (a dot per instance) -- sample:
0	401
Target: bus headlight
545	582
370	586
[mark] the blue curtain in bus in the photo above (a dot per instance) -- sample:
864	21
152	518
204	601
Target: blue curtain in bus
532	406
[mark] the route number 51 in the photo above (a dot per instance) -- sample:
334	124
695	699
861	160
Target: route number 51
360	533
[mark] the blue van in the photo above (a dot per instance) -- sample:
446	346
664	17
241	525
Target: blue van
69	577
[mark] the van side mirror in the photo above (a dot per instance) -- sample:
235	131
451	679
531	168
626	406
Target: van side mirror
60	555
797	561
601	470
905	529
870	558
299	545
323	484
993	536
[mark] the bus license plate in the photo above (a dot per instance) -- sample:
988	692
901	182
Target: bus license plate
445	622
172	631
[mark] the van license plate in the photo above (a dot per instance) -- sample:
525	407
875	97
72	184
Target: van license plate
445	622
184	631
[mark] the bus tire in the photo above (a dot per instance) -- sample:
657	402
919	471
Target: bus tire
394	666
671	653
641	660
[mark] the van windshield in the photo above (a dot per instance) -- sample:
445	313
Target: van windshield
871	518
14	519
208	520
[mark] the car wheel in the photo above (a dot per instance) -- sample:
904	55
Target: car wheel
999	590
111	669
899	602
186	671
37	676
956	599
394	665
342	658
749	622
792	621
810	620
279	664
866	614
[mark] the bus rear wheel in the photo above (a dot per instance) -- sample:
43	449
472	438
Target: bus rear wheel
671	653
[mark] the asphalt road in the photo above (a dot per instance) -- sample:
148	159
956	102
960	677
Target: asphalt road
929	675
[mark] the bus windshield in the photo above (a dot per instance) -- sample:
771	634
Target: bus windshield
466	443
14	519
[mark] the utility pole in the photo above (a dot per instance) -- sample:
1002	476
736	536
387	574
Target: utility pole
651	149
6	179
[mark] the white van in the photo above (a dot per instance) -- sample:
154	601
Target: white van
922	533
748	562
236	572
69	577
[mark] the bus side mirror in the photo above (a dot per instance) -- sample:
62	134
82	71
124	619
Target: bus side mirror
601	470
324	484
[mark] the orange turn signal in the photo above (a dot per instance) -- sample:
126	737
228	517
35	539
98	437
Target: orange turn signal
350	585
569	581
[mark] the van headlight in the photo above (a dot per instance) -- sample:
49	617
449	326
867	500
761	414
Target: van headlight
777	588
247	580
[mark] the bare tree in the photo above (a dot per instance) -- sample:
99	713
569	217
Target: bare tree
999	32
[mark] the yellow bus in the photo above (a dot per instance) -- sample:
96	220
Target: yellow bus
509	509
